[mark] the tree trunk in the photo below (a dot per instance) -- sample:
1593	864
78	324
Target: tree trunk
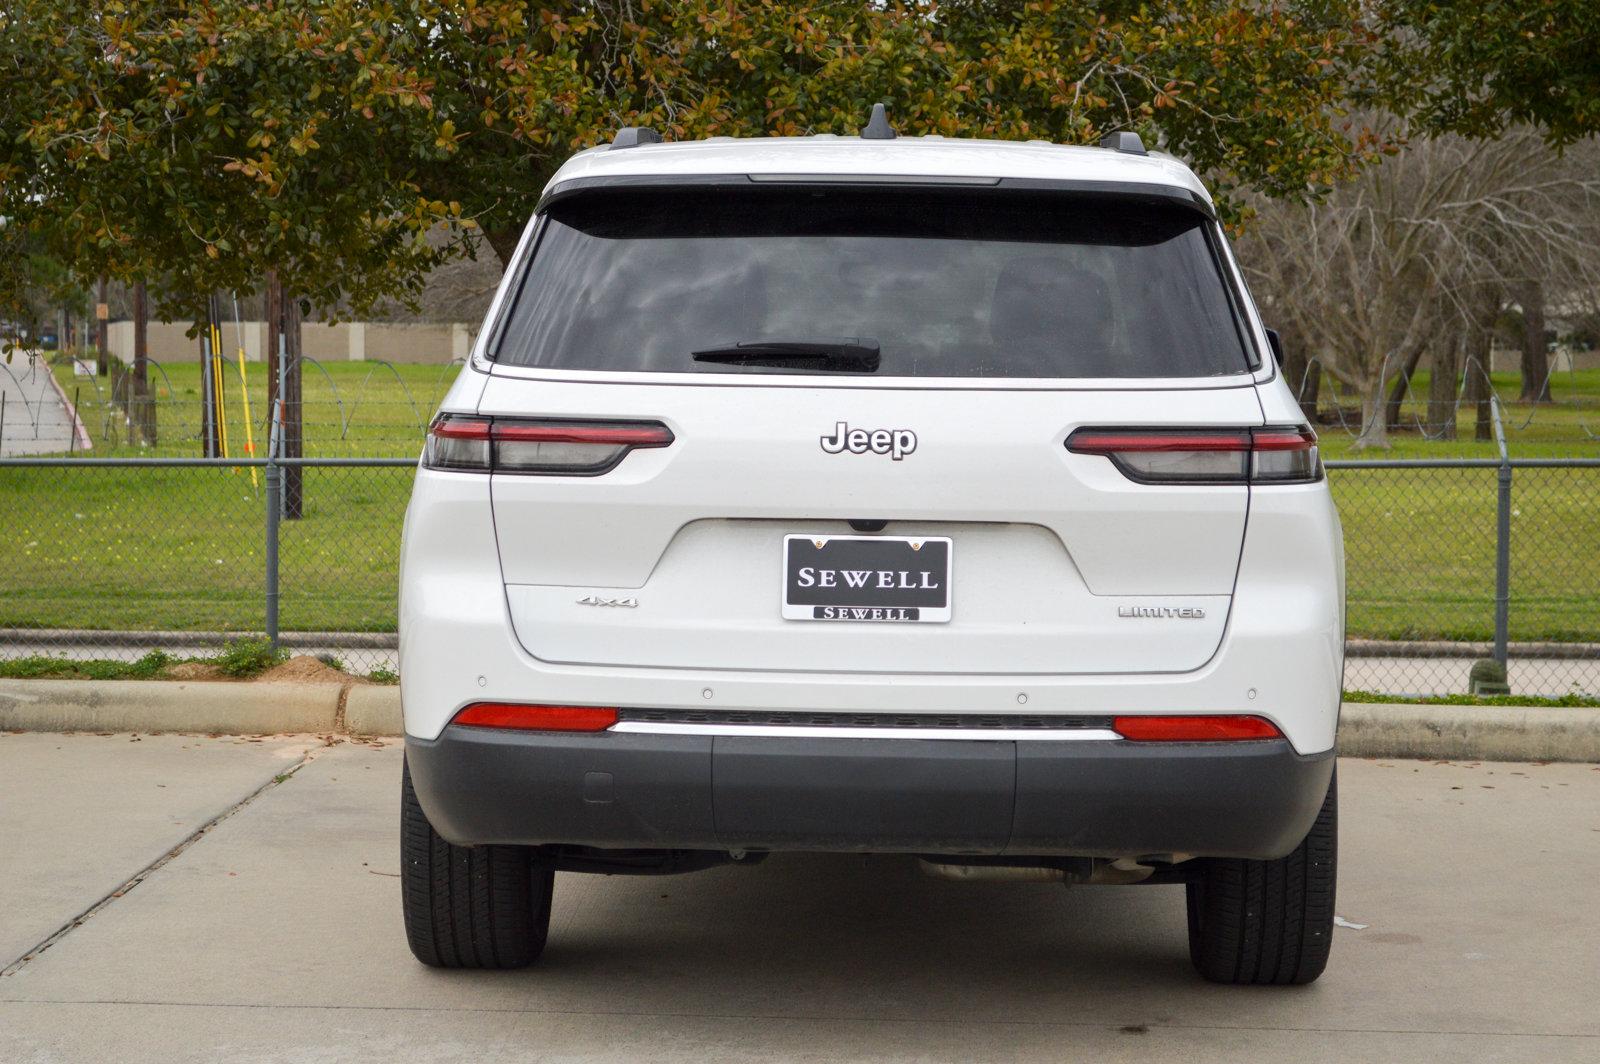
1402	384
1374	429
1300	373
141	409
504	242
1311	390
1442	391
1535	359
1478	384
102	329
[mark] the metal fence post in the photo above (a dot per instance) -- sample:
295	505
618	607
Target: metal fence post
1502	542
274	502
274	516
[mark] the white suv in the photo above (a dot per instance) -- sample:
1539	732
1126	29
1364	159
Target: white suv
908	495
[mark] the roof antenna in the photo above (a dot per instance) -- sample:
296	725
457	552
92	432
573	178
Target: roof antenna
878	127
1127	143
633	136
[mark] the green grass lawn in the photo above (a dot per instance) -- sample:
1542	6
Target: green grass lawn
182	549
350	408
1420	553
1568	428
178	549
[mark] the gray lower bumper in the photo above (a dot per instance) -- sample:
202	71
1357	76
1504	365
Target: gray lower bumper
1085	798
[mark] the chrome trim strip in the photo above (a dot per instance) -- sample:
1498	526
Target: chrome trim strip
792	731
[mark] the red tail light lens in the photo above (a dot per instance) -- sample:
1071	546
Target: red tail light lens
536	718
1187	729
550	447
1206	456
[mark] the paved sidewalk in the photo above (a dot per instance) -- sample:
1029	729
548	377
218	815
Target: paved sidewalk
81	814
275	936
36	419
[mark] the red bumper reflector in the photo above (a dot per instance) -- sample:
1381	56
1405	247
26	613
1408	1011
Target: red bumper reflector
1194	729
536	718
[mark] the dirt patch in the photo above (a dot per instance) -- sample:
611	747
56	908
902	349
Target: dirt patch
303	668
194	670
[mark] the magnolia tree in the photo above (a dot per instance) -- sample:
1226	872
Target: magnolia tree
199	145
1248	92
1481	69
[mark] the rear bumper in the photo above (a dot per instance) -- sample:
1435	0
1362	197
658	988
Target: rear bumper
1097	798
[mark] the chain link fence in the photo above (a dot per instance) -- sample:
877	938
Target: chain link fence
110	557
58	403
1451	562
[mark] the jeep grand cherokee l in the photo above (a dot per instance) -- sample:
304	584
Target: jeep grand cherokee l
878	494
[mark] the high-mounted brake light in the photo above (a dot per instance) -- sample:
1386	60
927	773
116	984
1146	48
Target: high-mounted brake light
1281	455
1209	729
523	717
525	445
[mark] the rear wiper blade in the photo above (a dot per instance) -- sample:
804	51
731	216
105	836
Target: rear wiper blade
855	354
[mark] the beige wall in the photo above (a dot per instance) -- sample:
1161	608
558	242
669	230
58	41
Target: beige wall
347	341
421	342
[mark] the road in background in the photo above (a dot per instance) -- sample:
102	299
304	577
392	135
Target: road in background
275	936
1432	677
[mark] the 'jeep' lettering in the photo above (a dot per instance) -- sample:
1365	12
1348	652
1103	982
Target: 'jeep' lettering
896	443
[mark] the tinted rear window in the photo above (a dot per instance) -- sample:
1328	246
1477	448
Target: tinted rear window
970	283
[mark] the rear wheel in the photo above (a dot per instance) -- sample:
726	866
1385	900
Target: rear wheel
469	906
1268	922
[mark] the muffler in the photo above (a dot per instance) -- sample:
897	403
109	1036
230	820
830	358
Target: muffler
1067	870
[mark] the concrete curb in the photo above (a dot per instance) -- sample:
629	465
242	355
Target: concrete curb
370	710
80	432
167	705
1477	733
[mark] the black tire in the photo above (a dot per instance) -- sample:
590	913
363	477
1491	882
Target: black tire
1268	923
469	906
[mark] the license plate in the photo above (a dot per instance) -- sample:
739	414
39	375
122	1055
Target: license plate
866	578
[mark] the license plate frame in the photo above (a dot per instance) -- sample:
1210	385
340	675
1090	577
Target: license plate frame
901	585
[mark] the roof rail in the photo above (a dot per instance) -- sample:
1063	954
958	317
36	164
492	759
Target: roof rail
633	136
1127	143
878	127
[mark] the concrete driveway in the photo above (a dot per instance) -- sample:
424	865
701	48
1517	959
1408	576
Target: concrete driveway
275	935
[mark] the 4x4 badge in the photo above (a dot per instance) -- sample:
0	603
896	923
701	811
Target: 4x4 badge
601	600
896	443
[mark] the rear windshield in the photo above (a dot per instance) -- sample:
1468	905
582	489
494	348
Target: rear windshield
970	283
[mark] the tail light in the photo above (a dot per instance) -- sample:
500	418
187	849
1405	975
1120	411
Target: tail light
1195	729
539	446
1206	456
523	717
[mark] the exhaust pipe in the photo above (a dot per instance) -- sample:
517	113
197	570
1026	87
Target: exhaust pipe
970	873
1067	870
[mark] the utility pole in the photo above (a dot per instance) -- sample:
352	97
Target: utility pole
272	310
208	390
293	443
102	339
